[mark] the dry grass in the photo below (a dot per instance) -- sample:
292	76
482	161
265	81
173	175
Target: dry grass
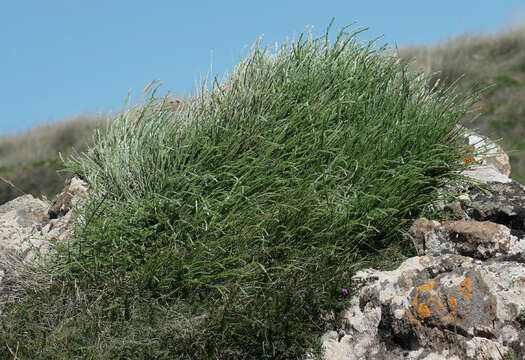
47	140
29	161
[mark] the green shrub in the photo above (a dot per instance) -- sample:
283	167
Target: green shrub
250	205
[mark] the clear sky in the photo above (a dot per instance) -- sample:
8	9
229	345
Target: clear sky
61	58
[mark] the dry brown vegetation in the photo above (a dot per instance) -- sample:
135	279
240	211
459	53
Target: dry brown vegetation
496	61
29	161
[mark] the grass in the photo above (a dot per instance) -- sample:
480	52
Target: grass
496	61
34	170
228	226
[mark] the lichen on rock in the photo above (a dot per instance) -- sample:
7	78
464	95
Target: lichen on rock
464	297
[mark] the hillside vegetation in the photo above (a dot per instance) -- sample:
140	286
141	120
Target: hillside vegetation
496	61
229	227
29	161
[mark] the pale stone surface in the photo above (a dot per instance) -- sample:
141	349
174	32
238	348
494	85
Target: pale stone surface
442	307
464	297
27	225
18	222
495	156
478	239
495	159
487	174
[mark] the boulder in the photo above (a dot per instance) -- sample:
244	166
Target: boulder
481	240
20	219
463	297
434	307
27	227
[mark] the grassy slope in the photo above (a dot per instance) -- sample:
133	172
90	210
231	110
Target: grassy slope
248	209
30	161
496	60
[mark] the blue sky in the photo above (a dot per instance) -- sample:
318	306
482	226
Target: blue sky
62	58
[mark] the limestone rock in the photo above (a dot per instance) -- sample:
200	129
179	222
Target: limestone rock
27	225
481	240
496	198
494	157
464	297
20	219
66	199
443	307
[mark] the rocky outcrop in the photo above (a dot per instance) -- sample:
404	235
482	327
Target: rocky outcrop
464	296
493	155
27	228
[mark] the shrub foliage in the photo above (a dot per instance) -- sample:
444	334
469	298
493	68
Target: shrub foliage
244	211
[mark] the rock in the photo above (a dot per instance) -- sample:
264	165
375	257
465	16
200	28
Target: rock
464	297
443	307
481	240
27	225
20	219
494	157
487	174
497	199
66	199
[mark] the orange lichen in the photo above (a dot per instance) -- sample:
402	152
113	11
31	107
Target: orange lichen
426	287
423	311
413	321
449	317
427	302
440	304
452	302
465	287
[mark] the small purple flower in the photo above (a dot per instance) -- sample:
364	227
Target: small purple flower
310	329
284	318
345	291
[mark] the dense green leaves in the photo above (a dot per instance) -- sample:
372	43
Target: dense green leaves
256	200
